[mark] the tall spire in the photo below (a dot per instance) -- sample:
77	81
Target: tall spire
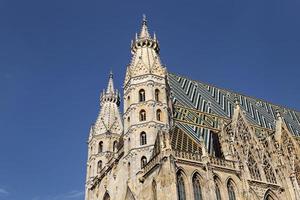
110	87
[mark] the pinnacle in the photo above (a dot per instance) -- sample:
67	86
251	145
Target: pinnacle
110	87
144	30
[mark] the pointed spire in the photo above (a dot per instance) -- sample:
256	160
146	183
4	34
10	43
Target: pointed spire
144	40
144	31
110	87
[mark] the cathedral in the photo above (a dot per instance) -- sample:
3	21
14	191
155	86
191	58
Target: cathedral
181	139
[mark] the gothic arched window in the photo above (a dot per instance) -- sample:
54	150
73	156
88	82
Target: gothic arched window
158	115
142	115
100	147
197	188
115	146
270	176
253	168
230	189
143	138
99	166
143	162
142	95
157	95
217	189
180	187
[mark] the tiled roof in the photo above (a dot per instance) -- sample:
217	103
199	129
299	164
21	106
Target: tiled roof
210	99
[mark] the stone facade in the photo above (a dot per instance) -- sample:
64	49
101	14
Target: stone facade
181	139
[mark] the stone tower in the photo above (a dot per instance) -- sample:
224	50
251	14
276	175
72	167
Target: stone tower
145	100
105	133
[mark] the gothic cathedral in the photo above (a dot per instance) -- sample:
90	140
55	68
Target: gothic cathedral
180	139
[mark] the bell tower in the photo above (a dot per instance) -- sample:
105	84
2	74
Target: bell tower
145	99
104	134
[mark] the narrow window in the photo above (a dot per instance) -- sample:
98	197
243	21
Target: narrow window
100	148
143	138
218	193
197	188
143	162
142	115
180	187
115	146
142	96
157	95
99	166
230	189
158	115
128	100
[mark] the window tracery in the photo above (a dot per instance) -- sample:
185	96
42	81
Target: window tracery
231	192
268	170
218	193
197	188
180	187
253	168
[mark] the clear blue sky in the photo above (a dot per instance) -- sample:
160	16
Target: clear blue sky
55	57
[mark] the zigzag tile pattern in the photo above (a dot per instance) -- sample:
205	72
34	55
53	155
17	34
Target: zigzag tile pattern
210	99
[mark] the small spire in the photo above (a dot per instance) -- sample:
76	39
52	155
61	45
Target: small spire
110	87
144	31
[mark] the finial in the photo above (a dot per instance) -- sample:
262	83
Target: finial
236	101
154	36
278	114
111	74
144	19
